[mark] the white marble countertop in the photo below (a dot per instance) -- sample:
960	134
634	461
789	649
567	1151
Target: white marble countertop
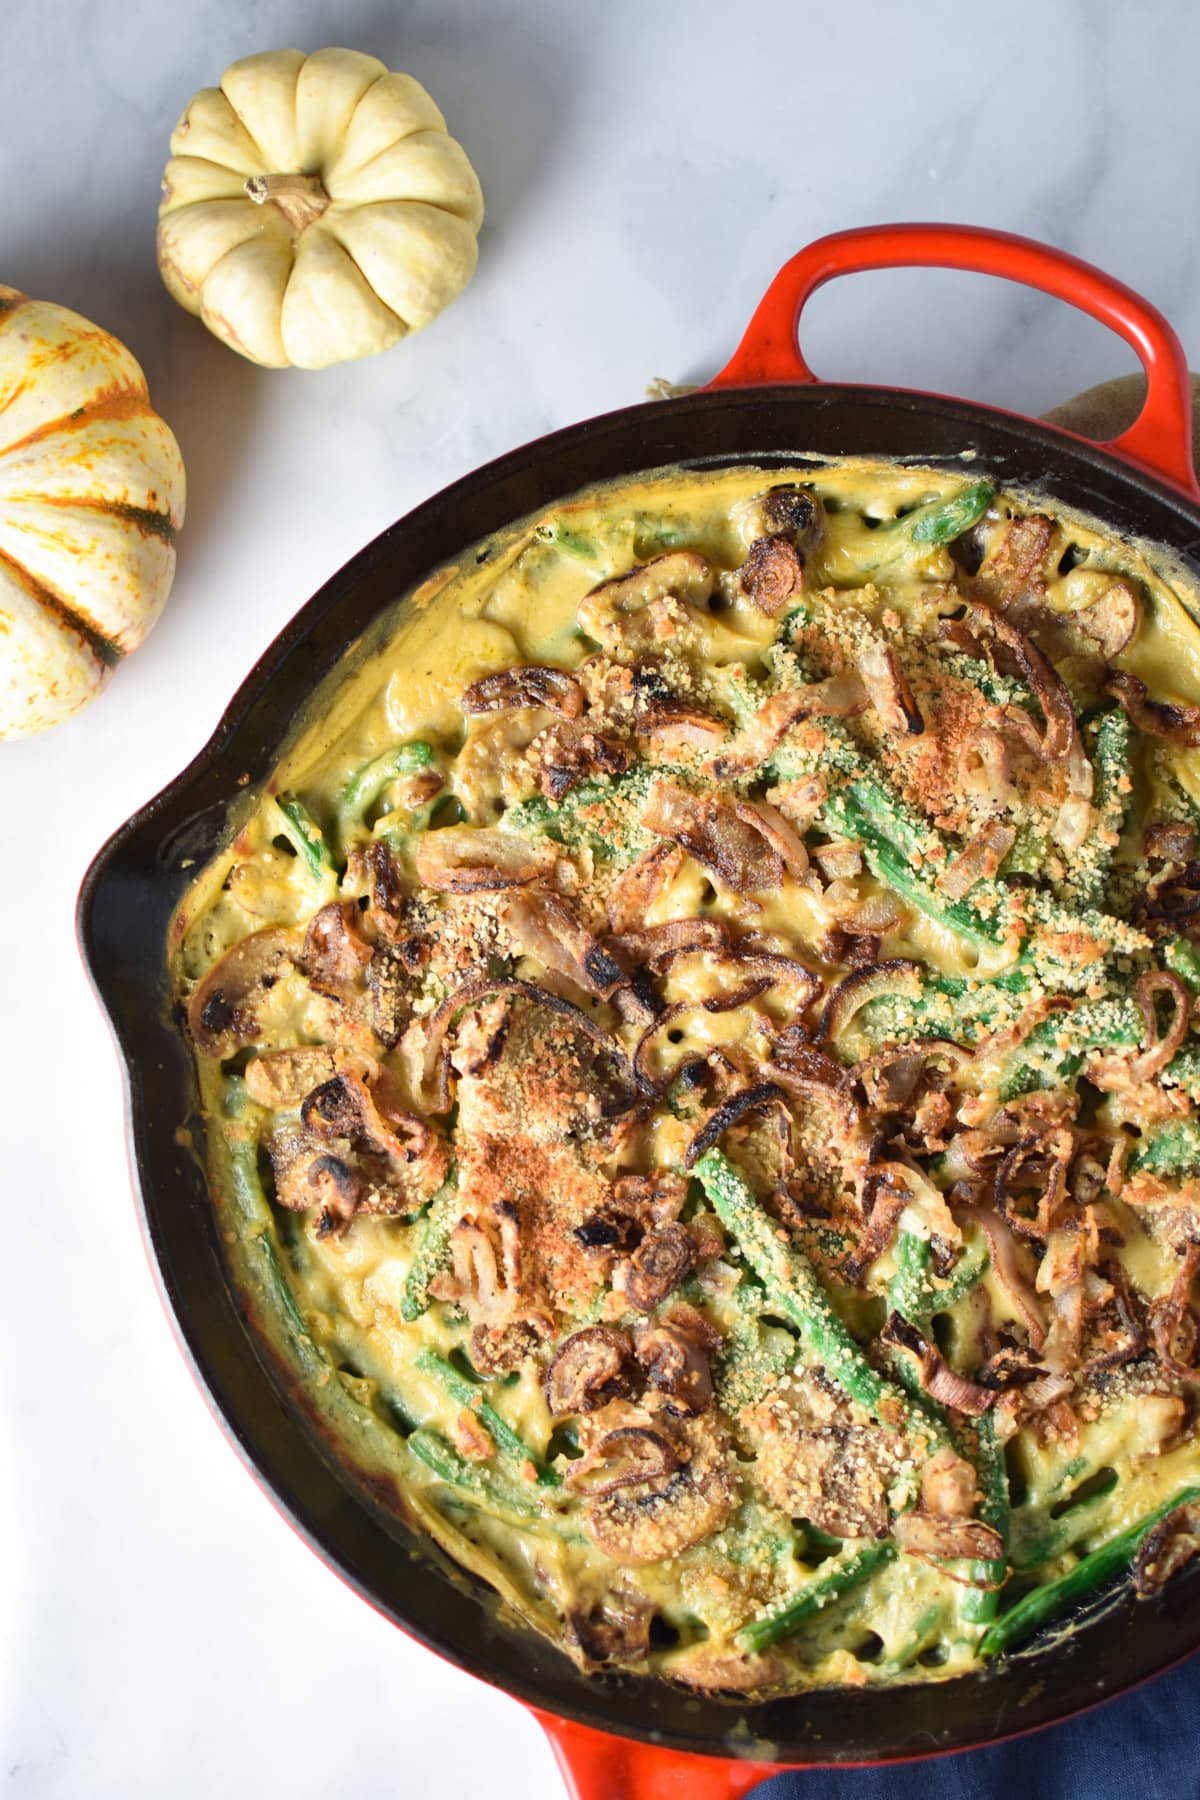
648	164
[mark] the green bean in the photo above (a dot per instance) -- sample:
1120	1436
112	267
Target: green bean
796	1293
469	1478
1069	1522
891	842
307	835
433	1250
1054	1051
601	813
753	1357
510	1446
1183	959
1110	746
980	1604
836	1581
366	784
1089	1574
944	520
1171	1150
258	1240
911	1290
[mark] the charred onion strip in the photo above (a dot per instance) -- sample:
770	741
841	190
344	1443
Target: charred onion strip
941	1383
434	1067
737	853
1004	1254
1160	1047
895	975
1177	725
730	1113
529	684
837	697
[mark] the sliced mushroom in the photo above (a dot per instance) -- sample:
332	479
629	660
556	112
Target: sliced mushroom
336	954
223	1011
677	1366
627	613
593	1366
614	1629
786	510
630	1456
1111	620
643	1524
530	684
469	859
733	851
772	572
335	1190
664	1258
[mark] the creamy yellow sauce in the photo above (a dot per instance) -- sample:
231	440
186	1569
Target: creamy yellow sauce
334	1304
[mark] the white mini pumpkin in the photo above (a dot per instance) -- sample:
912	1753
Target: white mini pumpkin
314	209
91	496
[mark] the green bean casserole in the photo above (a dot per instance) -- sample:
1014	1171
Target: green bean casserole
700	1085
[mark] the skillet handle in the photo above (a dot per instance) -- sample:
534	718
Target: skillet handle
597	1766
1160	439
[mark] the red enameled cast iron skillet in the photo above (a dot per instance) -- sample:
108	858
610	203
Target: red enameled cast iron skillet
615	1736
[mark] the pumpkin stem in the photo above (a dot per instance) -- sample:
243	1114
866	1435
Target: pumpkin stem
300	198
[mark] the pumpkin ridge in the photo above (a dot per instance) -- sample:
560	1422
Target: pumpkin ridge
149	522
116	403
108	652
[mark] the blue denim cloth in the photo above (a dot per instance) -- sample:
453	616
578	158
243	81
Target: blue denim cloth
1143	1747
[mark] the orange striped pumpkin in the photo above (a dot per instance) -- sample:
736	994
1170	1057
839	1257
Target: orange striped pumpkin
91	496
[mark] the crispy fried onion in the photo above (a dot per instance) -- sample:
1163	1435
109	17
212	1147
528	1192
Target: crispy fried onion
529	684
469	859
655	946
884	1194
933	1538
1160	1046
1178	725
888	688
1166	1549
979	861
780	834
1172	900
837	697
1173	1326
895	975
1169	840
1034	1170
1059	742
630	1456
545	926
939	1380
435	1073
1006	1263
890	1079
730	1113
732	848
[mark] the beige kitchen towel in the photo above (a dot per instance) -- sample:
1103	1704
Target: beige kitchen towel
1105	411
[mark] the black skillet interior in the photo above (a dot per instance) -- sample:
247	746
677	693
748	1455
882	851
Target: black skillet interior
124	911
